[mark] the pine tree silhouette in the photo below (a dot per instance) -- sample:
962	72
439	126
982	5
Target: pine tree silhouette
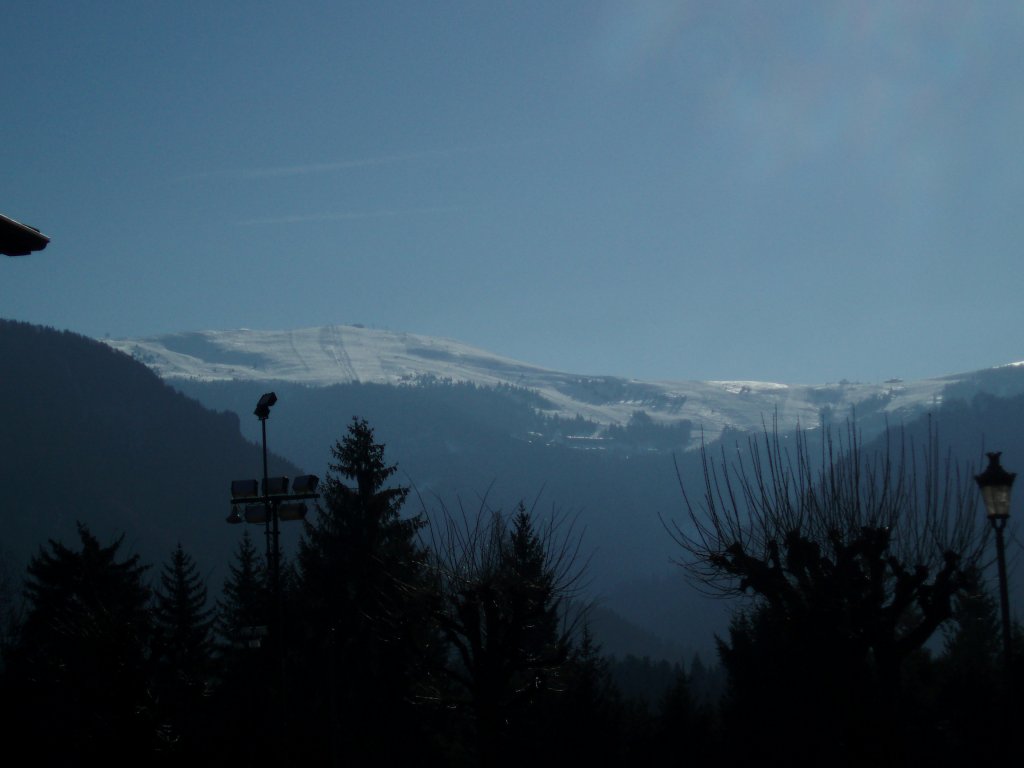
361	589
183	653
81	661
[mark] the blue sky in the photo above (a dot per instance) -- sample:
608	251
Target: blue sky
799	192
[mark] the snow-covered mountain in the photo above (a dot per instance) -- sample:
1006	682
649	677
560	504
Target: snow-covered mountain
340	354
458	445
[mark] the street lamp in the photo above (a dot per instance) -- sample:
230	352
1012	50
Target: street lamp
270	503
995	484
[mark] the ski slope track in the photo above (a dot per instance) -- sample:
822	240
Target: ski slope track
340	354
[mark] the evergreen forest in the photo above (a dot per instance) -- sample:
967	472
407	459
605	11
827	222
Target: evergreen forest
460	637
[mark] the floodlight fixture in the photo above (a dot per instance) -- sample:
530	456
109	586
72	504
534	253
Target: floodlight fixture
263	407
305	484
293	510
245	489
256	514
234	518
275	486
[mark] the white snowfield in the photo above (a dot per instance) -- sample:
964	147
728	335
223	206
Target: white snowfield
339	354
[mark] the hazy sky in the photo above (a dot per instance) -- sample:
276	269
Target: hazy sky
800	192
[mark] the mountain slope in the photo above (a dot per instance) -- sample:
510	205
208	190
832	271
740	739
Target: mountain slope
470	429
342	354
89	435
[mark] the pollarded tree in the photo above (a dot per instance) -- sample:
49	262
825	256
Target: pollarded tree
79	673
854	560
875	547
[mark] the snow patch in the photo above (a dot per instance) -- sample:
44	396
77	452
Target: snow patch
340	354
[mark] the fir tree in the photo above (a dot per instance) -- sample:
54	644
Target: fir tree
504	592
81	660
584	722
362	587
245	668
183	649
242	609
970	680
972	639
184	622
533	604
681	721
9	619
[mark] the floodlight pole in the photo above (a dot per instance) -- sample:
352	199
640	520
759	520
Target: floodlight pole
272	530
268	501
270	504
276	613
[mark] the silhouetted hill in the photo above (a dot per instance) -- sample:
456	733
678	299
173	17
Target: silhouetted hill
88	434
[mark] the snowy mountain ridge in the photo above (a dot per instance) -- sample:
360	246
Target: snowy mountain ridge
340	354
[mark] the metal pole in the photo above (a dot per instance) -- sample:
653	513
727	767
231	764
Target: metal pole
263	424
274	618
277	553
1004	597
273	534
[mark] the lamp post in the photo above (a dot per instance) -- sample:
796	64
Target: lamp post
270	503
995	484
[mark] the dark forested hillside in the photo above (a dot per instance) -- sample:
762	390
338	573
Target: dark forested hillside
88	434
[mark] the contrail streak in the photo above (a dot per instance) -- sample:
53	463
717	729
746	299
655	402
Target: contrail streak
305	218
